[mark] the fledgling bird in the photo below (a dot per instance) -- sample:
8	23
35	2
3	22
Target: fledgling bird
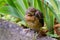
34	19
56	27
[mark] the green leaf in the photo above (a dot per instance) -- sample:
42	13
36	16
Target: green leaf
26	3
10	10
40	5
10	2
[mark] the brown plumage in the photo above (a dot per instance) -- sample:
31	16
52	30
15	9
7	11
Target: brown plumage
34	19
57	29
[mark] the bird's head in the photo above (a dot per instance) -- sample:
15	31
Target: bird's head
32	14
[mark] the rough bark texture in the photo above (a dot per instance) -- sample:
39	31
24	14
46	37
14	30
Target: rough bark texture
11	31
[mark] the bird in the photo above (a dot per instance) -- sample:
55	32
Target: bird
34	19
56	27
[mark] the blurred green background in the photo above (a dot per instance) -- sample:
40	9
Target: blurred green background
14	10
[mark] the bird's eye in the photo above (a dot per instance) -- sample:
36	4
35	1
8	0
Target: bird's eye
30	15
